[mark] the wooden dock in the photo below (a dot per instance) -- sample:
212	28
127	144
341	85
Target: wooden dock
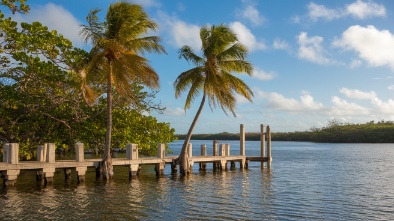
46	164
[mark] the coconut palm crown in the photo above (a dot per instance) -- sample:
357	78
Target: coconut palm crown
212	77
116	62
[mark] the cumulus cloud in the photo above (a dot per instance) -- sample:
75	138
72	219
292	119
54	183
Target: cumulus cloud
262	75
55	17
374	46
306	103
251	14
180	32
310	48
384	107
359	9
280	44
391	87
342	107
246	37
357	94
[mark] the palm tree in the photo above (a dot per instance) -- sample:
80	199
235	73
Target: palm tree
212	76
115	62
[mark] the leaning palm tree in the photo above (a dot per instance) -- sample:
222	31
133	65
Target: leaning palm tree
212	76
116	62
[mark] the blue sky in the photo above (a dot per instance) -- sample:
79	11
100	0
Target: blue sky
315	61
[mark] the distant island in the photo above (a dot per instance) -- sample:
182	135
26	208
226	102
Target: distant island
334	132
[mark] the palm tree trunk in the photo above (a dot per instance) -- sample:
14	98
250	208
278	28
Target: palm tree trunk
107	168
183	162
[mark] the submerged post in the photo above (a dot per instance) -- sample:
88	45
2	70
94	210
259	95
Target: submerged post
269	147
159	168
262	144
203	166
132	154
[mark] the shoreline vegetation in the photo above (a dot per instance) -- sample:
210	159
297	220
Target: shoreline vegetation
334	132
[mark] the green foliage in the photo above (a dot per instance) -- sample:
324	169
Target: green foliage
42	101
13	6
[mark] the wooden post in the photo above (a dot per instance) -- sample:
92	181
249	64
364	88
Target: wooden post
49	173
6	148
223	163
81	172
159	168
242	140
40	154
67	174
203	166
12	157
215	153
50	152
79	152
269	147
190	157
132	154
262	144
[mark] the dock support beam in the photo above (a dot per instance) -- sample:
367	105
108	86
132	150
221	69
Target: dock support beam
132	154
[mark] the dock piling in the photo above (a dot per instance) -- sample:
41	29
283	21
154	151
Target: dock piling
159	168
203	166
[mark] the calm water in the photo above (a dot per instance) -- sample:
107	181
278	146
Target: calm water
308	181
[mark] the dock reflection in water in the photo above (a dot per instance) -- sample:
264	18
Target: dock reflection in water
307	181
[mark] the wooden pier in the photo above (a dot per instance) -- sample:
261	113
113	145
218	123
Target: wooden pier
46	164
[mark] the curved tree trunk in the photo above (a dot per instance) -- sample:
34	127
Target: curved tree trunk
183	162
106	163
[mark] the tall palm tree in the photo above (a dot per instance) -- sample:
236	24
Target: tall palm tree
212	76
115	59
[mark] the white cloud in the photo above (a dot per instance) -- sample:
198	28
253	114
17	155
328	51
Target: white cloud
310	48
252	14
391	87
260	74
320	11
357	94
280	44
174	112
306	103
344	108
384	107
374	46
181	33
241	100
246	37
361	9
55	17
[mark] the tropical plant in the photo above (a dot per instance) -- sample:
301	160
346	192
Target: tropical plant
115	59
222	55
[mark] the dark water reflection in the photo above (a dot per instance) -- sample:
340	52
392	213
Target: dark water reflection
308	181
